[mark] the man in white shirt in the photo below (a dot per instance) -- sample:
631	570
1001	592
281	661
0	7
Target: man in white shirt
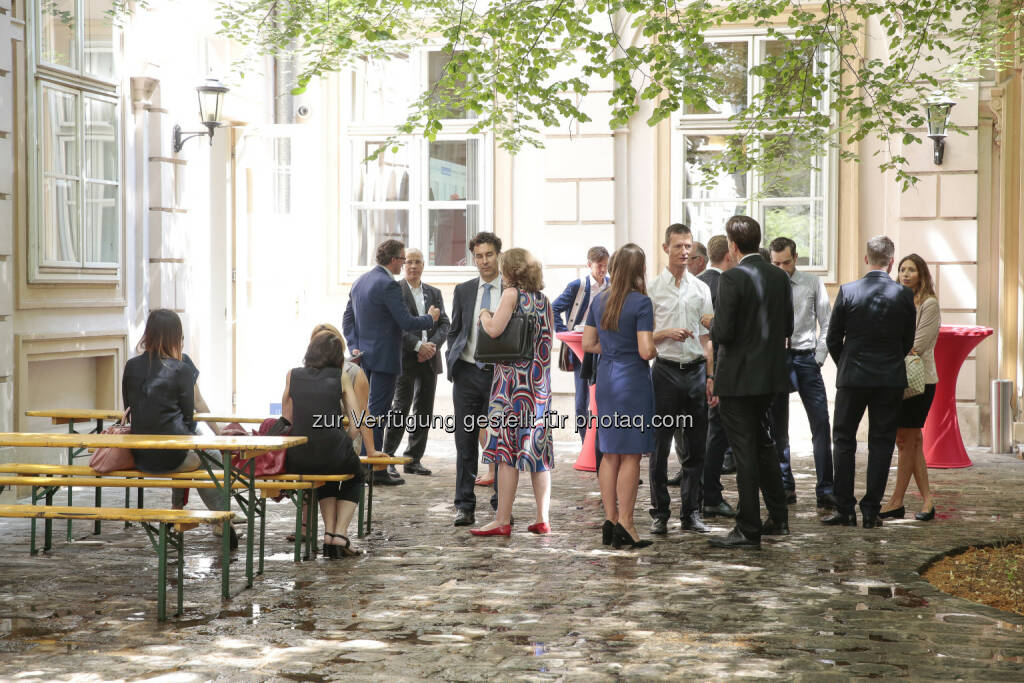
807	353
683	376
421	364
471	381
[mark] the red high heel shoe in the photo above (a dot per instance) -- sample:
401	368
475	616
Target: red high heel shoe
540	528
503	530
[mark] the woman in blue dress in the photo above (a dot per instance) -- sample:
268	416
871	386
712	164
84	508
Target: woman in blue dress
620	328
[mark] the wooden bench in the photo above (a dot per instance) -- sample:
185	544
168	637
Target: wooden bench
247	447
162	526
373	464
291	485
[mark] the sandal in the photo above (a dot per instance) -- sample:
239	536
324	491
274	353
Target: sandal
345	549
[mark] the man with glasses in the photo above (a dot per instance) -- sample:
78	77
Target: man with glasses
375	317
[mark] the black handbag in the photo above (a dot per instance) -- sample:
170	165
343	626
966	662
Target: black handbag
513	345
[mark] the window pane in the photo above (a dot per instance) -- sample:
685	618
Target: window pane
699	151
454	170
373	226
437	64
101	223
706	219
733	72
100	139
382	89
99	39
57	33
60	220
777	52
60	143
789	171
801	224
385	179
450	233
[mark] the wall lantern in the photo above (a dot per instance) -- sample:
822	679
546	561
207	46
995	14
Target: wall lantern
938	109
211	99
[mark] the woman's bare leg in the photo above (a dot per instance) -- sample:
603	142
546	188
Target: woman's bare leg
607	476
542	493
625	487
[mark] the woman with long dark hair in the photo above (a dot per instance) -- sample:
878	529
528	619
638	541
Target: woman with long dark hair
914	273
620	327
521	389
317	397
159	387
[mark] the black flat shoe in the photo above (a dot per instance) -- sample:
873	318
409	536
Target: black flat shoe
606	532
925	516
895	513
622	539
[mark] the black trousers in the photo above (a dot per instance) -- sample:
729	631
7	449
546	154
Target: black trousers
471	392
415	389
679	394
883	406
717	445
745	419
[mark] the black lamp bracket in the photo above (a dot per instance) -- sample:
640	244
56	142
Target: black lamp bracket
180	136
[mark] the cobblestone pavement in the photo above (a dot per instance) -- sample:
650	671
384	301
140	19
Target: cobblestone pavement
431	602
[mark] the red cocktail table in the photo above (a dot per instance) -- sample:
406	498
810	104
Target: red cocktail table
943	444
587	460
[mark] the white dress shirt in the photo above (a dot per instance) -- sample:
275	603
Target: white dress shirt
470	350
680	306
421	309
811	312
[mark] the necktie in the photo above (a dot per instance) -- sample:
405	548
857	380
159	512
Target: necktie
485	302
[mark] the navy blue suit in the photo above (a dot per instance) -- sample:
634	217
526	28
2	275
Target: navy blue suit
563	304
869	334
375	317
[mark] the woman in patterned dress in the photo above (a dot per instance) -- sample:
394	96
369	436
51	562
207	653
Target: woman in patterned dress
518	432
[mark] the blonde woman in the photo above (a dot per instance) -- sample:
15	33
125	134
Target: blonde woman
522	388
914	273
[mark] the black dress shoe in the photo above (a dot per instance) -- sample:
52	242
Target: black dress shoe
827	502
790	497
871	522
723	509
416	468
693	522
729	465
659	527
384	478
925	516
676	480
735	539
393	472
770	527
895	513
840	519
465	518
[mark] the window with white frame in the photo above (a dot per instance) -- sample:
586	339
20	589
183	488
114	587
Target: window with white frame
75	227
432	195
796	199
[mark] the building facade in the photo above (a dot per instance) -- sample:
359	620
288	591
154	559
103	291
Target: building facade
256	236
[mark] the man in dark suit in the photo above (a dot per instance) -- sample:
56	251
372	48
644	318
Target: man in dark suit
471	381
375	317
421	364
753	318
870	332
717	443
574	301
